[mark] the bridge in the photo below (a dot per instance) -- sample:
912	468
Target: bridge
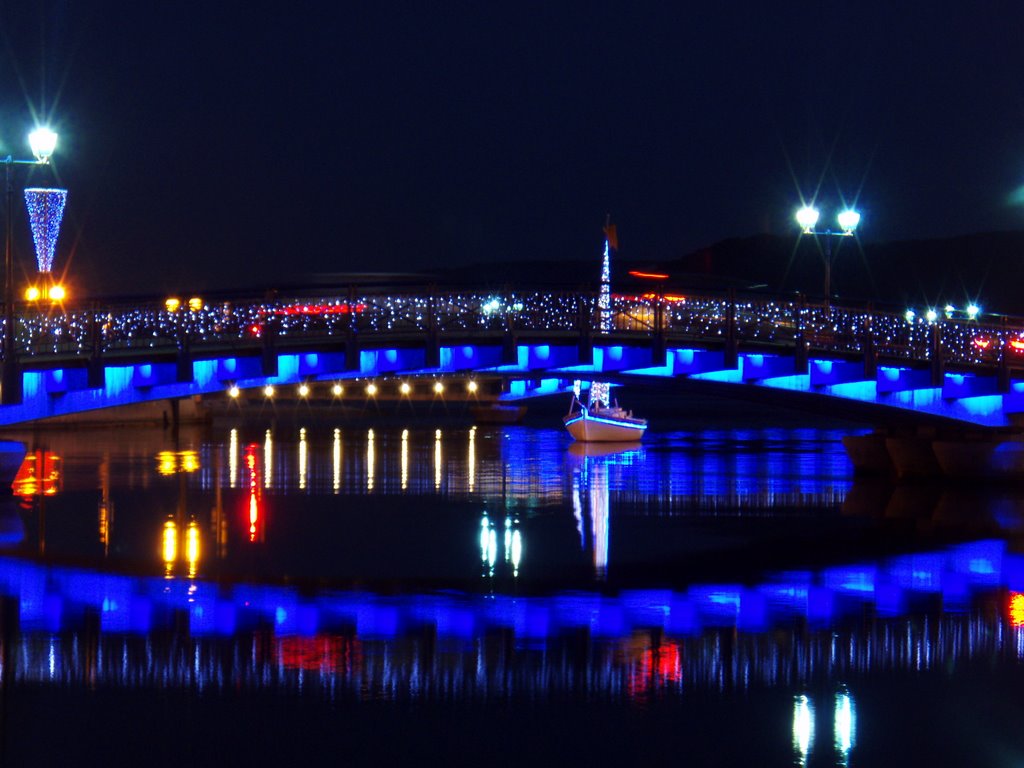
885	368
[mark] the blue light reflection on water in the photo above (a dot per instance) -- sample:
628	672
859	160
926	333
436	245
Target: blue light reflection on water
51	598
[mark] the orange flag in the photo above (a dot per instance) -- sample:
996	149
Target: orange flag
613	240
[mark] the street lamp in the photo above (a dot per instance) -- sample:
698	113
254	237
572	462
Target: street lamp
42	142
848	219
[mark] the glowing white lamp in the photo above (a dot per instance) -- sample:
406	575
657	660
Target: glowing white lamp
43	142
848	221
972	311
807	217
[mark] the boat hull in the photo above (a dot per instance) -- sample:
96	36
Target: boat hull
586	428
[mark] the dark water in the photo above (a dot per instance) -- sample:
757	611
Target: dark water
423	591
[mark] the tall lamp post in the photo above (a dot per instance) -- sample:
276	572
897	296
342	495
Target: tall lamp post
807	217
43	142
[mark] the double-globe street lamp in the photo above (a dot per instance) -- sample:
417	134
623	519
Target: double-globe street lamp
42	142
848	219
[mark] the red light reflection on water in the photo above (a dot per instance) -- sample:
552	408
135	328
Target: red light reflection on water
320	653
255	507
1015	609
38	475
655	667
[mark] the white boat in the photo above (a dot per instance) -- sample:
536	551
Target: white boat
598	423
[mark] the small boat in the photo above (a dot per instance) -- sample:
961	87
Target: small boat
600	423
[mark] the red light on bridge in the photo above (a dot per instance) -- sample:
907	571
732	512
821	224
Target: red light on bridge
648	275
321	309
1017	345
982	343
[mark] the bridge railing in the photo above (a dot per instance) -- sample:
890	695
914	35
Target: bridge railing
99	328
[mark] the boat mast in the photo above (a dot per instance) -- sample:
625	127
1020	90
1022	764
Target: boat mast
600	391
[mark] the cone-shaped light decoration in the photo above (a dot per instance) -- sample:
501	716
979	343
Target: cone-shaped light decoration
45	211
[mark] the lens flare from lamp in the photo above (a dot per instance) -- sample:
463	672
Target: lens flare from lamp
45	212
32	293
57	293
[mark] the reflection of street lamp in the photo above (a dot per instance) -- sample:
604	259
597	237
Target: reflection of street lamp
807	218
43	142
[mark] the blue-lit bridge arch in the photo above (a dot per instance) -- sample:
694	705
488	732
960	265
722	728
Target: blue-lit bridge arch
877	366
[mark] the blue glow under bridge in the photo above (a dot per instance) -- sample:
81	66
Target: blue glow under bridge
882	367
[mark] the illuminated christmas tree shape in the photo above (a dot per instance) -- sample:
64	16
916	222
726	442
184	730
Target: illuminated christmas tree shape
45	211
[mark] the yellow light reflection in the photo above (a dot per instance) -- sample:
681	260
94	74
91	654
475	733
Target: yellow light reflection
303	458
1016	609
172	304
195	303
192	548
188	461
57	293
405	459
336	460
170	548
268	452
166	463
233	458
370	460
437	458
32	293
171	462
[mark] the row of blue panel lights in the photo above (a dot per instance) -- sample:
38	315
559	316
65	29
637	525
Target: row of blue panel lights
52	598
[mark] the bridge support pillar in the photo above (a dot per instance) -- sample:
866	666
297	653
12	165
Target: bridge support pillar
10	383
938	365
432	356
1003	374
731	359
659	350
183	372
585	348
94	377
510	349
351	352
868	346
800	356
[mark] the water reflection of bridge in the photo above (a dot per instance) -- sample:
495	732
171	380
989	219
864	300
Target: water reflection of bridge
917	613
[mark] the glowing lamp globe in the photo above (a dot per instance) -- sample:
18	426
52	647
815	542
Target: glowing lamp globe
43	142
848	221
807	217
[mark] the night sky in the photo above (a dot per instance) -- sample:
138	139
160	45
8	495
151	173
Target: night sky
221	144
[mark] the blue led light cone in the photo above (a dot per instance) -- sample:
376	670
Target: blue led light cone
45	212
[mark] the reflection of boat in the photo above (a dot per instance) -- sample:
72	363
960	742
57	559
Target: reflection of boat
596	450
497	413
597	422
